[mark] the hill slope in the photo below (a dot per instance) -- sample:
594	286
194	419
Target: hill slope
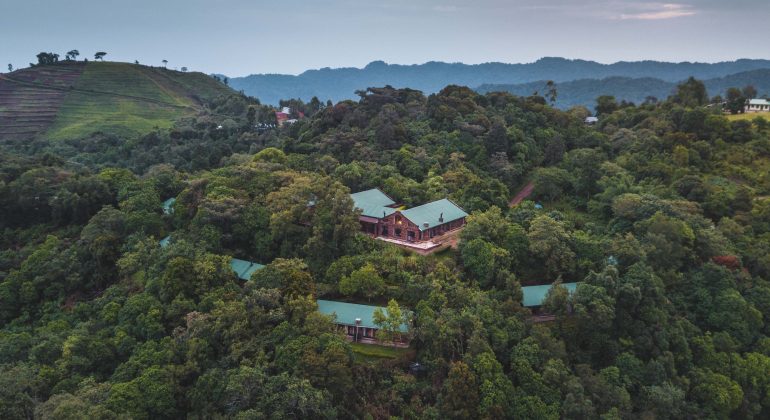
71	100
338	84
585	91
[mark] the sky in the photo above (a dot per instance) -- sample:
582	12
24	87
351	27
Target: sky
241	37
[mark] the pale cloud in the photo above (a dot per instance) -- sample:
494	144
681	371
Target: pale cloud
446	8
659	11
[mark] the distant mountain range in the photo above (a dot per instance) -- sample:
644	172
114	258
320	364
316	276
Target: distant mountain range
341	83
585	91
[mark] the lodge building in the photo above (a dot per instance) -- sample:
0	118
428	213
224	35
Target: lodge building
757	105
357	322
381	217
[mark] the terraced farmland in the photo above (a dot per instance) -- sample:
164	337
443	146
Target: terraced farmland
72	100
26	108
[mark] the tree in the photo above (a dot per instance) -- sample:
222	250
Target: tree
606	104
549	240
10	67
72	55
365	281
100	55
390	321
459	397
551	92
184	69
691	93
750	92
46	58
165	62
736	101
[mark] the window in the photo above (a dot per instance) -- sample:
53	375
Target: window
384	231
398	232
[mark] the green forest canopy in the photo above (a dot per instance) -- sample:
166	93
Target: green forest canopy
660	211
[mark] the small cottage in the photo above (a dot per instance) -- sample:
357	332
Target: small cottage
357	321
534	296
757	105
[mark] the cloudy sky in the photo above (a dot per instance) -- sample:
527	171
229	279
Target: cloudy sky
240	37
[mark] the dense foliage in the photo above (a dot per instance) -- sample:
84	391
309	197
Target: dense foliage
660	211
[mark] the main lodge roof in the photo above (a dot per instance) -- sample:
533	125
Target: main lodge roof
434	213
373	203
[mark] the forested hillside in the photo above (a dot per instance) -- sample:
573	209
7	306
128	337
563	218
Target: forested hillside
661	212
340	84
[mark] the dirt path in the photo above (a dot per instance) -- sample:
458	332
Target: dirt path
522	194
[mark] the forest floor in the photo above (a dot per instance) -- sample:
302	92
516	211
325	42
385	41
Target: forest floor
522	194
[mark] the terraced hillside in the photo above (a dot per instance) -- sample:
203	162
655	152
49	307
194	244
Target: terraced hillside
72	100
26	109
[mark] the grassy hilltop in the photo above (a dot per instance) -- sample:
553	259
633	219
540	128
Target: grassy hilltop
72	100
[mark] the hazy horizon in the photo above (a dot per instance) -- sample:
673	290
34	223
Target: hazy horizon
240	37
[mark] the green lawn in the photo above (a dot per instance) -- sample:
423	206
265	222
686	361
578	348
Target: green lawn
749	117
375	353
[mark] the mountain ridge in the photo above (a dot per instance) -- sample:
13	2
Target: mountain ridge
430	77
583	92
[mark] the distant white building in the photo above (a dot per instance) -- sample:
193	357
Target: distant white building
591	120
757	105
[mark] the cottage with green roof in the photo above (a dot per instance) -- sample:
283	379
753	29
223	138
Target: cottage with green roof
168	205
244	269
534	296
357	321
374	206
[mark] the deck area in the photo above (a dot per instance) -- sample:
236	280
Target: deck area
438	243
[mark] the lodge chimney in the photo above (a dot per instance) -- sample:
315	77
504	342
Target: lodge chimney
441	217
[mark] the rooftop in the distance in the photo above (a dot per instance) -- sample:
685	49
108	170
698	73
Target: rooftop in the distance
535	295
759	102
348	312
434	213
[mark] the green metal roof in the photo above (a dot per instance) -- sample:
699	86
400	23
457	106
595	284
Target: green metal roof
535	295
165	241
373	203
168	205
244	269
348	312
427	215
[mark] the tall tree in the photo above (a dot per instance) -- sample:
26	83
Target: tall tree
390	321
100	55
606	104
691	93
72	55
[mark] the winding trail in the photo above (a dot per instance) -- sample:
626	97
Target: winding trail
522	194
